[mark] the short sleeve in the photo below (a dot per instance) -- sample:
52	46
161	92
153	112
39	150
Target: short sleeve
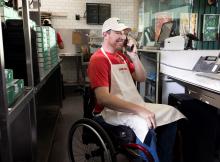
59	39
99	71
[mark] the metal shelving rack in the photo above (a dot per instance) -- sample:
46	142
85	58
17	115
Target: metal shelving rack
150	90
19	133
11	117
5	142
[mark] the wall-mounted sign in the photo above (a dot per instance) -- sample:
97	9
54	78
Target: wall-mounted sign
211	27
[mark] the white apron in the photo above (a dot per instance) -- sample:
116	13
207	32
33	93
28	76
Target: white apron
122	86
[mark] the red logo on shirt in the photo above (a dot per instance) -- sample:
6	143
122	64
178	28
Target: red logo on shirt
123	69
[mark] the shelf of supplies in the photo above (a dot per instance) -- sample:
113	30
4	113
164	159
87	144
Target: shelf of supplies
70	83
20	103
148	50
70	54
150	99
149	58
47	76
85	63
150	80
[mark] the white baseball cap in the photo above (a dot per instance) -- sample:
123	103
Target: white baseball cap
115	24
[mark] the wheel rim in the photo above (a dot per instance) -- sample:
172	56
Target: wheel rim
88	146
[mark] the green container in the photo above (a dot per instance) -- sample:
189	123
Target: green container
42	54
10	94
9	13
54	60
2	3
18	87
9	75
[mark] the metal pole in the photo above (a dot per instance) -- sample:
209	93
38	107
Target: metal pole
28	46
37	4
29	64
5	141
39	15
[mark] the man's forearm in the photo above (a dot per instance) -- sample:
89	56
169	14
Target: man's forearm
140	73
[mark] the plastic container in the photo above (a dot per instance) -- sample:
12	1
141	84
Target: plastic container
10	94
18	87
9	75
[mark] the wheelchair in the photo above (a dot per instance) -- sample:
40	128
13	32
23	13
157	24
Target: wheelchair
89	140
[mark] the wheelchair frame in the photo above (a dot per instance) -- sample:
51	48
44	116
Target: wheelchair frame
102	137
103	147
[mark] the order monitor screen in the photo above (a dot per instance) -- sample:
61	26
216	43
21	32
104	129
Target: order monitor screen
165	31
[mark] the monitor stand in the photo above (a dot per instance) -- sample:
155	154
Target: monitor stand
191	37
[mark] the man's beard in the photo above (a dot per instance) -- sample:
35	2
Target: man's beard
119	48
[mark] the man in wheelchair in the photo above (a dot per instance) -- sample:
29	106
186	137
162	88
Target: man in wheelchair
112	73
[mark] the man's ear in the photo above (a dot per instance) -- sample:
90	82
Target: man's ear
104	34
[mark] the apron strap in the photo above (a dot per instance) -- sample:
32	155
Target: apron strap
122	59
103	51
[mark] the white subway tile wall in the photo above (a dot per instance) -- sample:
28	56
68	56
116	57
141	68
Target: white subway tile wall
126	10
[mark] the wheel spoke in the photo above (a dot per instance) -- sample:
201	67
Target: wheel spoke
88	144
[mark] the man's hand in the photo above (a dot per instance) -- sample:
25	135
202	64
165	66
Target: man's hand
132	45
149	117
139	74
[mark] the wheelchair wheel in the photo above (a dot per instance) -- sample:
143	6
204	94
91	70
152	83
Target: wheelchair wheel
88	141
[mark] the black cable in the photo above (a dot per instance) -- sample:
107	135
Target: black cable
175	67
168	64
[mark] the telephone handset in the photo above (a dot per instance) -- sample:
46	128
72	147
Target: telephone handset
130	48
209	64
127	47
